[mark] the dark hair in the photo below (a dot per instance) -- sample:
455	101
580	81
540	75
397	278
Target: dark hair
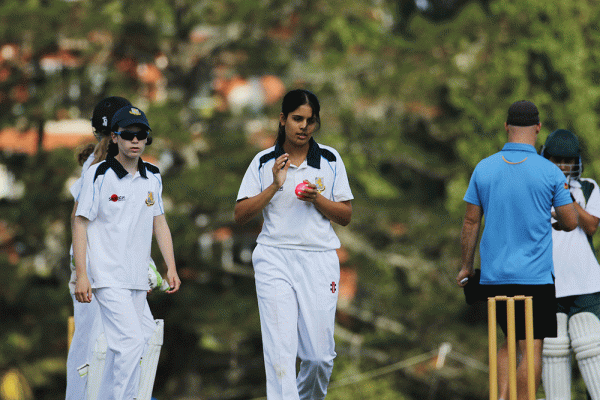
113	149
291	101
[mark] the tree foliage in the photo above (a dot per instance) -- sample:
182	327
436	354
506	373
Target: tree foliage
413	95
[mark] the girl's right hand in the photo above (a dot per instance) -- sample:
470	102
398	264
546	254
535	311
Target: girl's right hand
83	290
280	169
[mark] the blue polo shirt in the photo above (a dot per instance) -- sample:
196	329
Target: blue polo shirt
516	188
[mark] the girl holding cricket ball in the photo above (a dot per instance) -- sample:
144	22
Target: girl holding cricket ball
300	187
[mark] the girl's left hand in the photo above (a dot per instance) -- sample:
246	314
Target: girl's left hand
310	193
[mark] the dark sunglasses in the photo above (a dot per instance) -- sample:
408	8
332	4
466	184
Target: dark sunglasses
129	135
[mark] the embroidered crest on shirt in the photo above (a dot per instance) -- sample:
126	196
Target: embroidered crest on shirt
150	199
320	184
333	287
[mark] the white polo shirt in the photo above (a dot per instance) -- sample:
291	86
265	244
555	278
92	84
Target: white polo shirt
75	188
121	210
575	266
289	222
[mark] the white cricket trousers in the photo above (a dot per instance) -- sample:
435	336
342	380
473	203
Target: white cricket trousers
122	313
87	327
148	327
297	294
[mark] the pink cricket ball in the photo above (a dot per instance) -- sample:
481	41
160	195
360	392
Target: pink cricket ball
300	188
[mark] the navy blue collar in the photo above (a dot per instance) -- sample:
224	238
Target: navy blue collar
121	171
313	157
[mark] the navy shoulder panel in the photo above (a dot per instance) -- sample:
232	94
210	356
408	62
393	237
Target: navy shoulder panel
101	170
152	168
328	155
266	158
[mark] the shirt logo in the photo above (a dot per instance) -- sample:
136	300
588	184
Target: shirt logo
320	184
134	111
150	200
333	287
115	198
566	186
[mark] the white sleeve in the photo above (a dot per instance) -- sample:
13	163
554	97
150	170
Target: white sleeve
251	184
593	204
88	199
76	187
159	208
341	186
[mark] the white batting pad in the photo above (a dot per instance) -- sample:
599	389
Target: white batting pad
150	362
556	363
584	329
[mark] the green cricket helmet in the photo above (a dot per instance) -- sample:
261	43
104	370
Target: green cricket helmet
563	144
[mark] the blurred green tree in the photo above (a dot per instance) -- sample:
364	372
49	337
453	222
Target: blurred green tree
410	114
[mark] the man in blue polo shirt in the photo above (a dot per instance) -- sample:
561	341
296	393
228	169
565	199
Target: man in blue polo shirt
516	189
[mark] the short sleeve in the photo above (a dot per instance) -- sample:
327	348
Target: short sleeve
562	194
251	185
89	195
593	204
158	207
341	187
472	194
76	187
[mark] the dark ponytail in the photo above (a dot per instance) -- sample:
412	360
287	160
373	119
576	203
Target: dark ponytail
291	101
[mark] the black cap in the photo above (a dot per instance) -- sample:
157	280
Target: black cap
129	115
103	113
523	113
